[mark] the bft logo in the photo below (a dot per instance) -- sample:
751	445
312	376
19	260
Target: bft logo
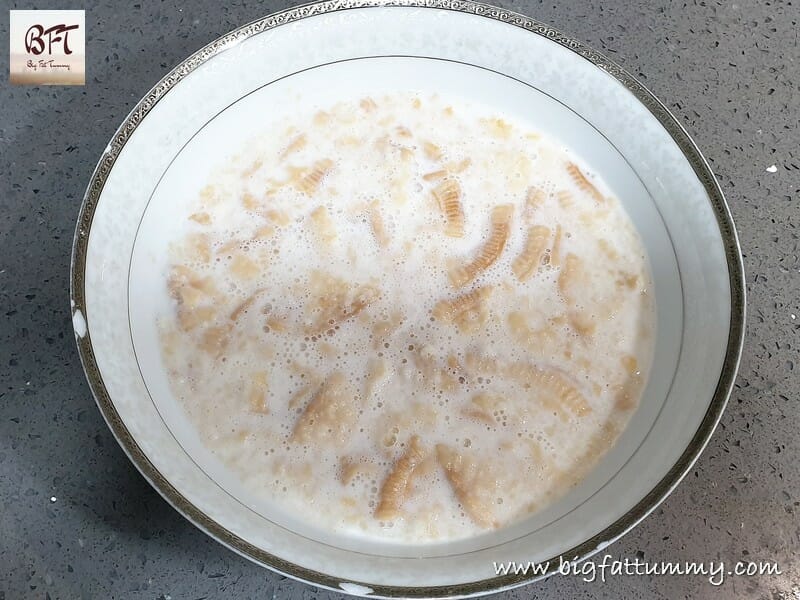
47	47
37	35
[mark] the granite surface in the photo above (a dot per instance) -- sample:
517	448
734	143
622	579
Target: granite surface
78	521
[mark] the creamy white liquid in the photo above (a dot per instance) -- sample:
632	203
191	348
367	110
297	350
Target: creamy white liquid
288	283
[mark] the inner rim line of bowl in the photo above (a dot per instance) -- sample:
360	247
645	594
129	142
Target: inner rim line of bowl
419	57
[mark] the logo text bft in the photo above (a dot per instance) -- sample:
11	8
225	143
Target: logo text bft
36	35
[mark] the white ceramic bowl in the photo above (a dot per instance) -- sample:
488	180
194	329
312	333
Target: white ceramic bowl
205	108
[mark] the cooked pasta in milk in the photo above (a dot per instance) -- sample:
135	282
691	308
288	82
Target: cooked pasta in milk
408	319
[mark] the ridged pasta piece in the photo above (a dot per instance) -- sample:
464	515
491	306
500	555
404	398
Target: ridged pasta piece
553	388
195	296
626	393
230	246
474	485
468	311
536	340
480	363
351	467
323	225
189	289
491	250
299	397
367	104
279	217
398	424
334	301
534	199
435	175
426	362
395	487
257	396
448	197
572	280
309	181
245	305
459	166
330	414
602	441
209	195
583	183
378	374
608	249
596	446
582	322
625	280
252	168
403	131
498	128
321	118
555	250
484	407
431	372
298	143
276	323
383	329
348	470
250	202
377	225
192	319
263	233
406	154
198	247
215	339
432	151
565	199
203	218
528	261
243	267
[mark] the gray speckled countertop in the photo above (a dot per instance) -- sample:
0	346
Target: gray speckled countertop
76	518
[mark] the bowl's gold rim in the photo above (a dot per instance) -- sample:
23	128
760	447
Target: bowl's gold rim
661	490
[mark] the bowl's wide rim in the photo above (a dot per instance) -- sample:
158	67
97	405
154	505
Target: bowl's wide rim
183	505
